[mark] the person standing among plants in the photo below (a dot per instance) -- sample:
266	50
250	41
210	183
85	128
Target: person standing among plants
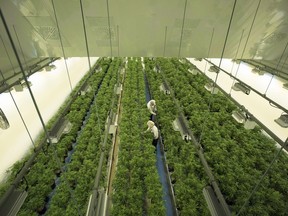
153	129
151	105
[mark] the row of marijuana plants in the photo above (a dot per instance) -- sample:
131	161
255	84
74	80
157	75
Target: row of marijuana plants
186	173
136	188
238	157
62	176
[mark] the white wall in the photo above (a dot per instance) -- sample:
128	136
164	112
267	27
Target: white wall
255	104
50	89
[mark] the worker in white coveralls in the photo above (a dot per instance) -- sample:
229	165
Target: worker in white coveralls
151	105
153	129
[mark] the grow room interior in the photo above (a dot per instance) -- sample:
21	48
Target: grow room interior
75	80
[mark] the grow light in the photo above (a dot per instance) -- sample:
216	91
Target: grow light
180	125
50	67
214	68
13	203
258	71
85	89
209	87
4	124
285	86
24	84
239	116
243	118
98	69
156	69
63	126
18	87
241	87
193	70
164	87
282	120
122	69
113	123
214	205
117	88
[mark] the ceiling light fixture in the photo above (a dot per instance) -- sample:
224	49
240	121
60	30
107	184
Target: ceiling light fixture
241	87
258	71
194	70
282	120
243	118
50	67
214	68
4	123
211	88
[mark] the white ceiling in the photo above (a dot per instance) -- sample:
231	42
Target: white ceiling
183	28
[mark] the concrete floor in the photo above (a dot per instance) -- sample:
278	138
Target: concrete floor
50	89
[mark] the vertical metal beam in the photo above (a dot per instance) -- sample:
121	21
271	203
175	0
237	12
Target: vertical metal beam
85	35
165	38
209	49
227	34
109	26
249	33
276	68
24	76
118	44
183	23
20	48
61	42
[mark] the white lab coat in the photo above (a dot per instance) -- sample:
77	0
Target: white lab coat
155	132
151	108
